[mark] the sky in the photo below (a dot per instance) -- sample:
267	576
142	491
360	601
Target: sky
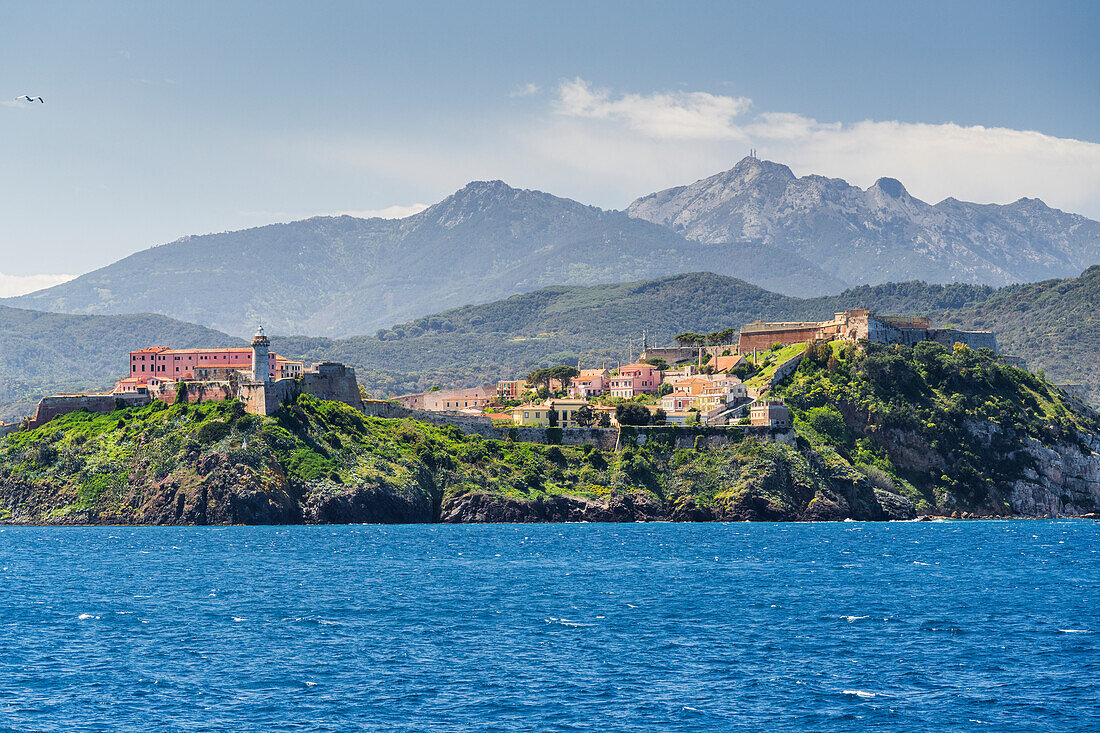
162	120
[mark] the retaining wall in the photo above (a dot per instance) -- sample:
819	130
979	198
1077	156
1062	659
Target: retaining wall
62	404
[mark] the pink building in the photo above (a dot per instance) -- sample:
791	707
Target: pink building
588	386
635	379
677	402
174	364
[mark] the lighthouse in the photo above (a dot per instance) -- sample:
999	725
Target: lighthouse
261	369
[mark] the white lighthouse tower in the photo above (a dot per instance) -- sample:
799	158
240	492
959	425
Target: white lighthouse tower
261	369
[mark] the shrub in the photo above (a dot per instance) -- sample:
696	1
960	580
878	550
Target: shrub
828	423
212	432
630	413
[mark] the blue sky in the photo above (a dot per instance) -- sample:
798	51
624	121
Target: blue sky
163	120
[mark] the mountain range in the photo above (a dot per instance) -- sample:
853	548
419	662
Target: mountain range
877	234
342	275
339	276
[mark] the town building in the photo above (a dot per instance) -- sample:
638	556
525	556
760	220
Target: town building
170	364
531	415
770	413
511	389
260	378
588	385
450	400
555	412
633	380
677	402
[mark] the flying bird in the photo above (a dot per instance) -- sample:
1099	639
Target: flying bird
32	99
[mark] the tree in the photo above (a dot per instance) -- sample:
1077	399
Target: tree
540	377
564	374
664	388
659	416
585	416
658	362
604	420
631	413
690	338
181	391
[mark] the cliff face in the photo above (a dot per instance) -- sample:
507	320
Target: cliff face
1063	479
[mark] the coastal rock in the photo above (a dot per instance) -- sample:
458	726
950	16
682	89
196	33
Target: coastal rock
1060	480
366	504
615	507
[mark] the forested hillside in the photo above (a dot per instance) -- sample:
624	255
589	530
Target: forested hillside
43	353
1053	325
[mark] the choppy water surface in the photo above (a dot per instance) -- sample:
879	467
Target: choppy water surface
906	626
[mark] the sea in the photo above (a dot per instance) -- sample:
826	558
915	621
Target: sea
903	626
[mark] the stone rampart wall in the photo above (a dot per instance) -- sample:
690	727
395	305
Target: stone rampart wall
763	340
684	354
58	405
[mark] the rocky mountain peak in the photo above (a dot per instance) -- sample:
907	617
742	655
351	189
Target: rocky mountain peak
750	169
875	234
891	187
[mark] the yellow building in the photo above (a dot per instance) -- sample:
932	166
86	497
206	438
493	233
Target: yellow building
557	412
565	412
531	416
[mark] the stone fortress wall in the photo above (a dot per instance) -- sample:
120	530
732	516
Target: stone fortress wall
857	324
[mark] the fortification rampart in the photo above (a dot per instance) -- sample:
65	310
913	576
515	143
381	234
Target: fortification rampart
860	323
58	405
671	437
675	355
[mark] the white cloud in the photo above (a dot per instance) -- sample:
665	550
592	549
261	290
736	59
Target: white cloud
607	149
390	212
675	115
12	285
526	90
665	139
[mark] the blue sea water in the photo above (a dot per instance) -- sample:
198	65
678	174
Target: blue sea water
953	626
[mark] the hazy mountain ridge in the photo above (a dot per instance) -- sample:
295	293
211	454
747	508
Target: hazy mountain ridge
342	275
878	234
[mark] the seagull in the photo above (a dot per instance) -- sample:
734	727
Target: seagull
32	99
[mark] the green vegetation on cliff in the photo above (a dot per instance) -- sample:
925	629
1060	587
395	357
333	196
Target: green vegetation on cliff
324	462
945	427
